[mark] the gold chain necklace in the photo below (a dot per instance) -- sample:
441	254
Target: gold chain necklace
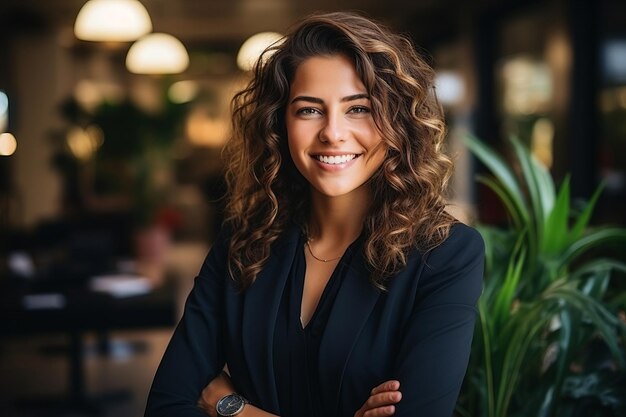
320	259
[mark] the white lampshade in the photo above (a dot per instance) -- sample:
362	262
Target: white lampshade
8	144
252	48
112	20
157	53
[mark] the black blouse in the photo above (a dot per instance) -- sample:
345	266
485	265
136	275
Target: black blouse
296	352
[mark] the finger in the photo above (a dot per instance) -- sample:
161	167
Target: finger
383	399
391	385
388	410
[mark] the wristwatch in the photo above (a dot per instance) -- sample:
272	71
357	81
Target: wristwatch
230	405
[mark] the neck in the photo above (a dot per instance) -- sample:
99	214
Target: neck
338	219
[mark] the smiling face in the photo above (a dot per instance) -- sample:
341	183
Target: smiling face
332	137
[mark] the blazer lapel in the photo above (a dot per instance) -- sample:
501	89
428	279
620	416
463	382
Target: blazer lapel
260	309
351	309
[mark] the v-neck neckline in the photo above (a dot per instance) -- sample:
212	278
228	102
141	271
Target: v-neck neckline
333	277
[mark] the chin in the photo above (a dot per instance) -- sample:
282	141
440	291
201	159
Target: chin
337	191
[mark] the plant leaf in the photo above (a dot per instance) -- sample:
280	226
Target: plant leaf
555	234
525	331
502	305
593	239
532	172
604	321
597	265
500	170
583	219
505	198
487	336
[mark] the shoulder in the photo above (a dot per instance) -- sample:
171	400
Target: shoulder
449	274
463	245
222	240
453	271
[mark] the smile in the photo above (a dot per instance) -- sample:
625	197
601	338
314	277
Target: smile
336	159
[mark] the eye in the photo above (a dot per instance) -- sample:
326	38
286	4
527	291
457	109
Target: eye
359	110
307	111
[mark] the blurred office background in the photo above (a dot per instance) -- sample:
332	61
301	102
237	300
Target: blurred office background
111	177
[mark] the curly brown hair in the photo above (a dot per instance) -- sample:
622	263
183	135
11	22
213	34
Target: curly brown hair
267	193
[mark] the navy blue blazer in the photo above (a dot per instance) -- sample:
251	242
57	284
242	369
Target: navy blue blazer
418	332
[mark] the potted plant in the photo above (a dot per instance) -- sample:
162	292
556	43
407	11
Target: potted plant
546	307
128	169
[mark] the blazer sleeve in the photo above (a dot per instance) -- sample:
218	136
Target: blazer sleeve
195	354
435	346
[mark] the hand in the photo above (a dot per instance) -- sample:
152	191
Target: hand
381	401
212	393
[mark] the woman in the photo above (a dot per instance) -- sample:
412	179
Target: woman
339	286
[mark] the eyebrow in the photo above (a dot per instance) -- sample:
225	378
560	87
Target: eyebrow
320	101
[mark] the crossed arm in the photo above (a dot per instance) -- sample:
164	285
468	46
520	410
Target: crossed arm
379	404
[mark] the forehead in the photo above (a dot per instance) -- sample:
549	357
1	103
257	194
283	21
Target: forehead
326	75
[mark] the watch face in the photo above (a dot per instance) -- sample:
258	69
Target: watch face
230	405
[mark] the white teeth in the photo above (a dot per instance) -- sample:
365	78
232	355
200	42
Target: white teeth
335	160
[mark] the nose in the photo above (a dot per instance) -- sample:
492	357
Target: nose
334	129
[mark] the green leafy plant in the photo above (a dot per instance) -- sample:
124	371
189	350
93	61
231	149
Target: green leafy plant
544	304
132	166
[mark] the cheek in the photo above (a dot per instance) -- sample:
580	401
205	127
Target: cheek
293	146
368	134
375	145
377	161
295	152
376	157
296	140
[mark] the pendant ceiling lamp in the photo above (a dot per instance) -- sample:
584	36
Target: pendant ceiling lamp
112	21
8	144
252	48
157	53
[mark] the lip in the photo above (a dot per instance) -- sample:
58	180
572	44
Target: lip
335	153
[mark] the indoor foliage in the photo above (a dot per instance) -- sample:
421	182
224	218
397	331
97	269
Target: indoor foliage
549	340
